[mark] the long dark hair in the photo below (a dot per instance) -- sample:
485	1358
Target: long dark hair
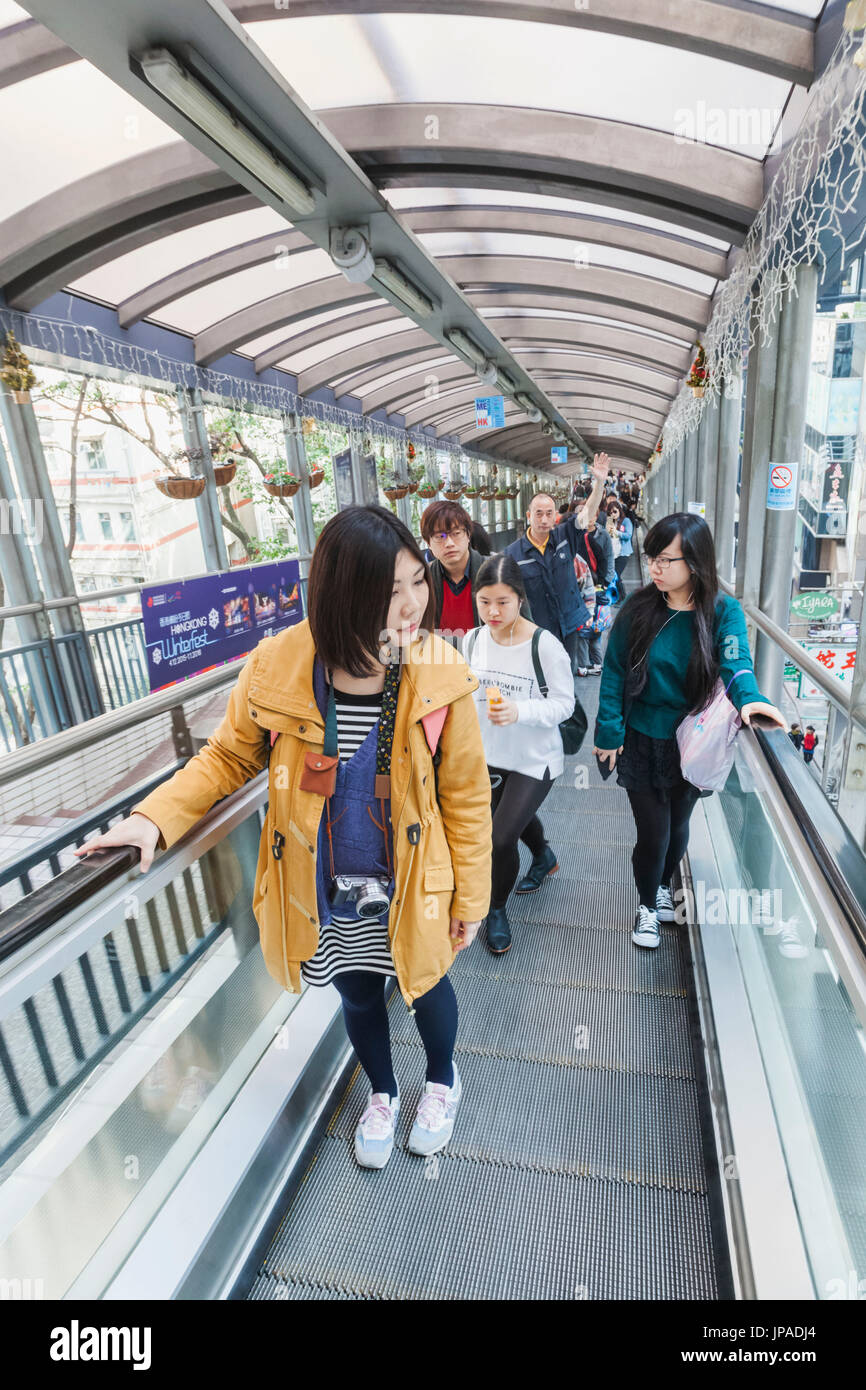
647	611
351	582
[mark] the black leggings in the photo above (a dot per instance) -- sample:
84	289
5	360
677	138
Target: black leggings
366	1016
514	803
662	838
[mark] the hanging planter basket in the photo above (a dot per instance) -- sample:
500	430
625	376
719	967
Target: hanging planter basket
282	489
180	488
316	478
453	494
472	492
22	397
413	486
698	391
501	495
223	473
392	493
427	491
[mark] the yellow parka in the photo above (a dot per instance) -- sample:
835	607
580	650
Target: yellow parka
444	874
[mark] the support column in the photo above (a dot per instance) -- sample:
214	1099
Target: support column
726	477
690	470
757	436
21	585
195	436
789	427
708	461
74	657
302	502
677	477
852	795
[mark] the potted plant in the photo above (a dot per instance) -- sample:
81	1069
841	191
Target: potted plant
697	377
316	477
453	490
180	488
473	490
308	425
279	481
428	487
17	373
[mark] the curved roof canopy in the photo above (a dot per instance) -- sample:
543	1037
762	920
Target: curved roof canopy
566	186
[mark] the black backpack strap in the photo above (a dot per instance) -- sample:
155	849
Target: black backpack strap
539	674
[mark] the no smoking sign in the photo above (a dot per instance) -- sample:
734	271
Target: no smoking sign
782	487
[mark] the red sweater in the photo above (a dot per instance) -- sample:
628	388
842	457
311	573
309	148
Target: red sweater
456	609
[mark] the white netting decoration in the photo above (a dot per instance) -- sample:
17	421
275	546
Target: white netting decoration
84	347
817	183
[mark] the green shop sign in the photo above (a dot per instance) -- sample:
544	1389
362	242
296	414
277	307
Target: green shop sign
814	606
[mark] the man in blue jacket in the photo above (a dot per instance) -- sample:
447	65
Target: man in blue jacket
546	554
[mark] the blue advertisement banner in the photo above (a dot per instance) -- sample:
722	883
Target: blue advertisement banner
489	412
195	624
559	453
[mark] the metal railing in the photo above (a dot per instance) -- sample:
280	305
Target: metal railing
85	957
834	690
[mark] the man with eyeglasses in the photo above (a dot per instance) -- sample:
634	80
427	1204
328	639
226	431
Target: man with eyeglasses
447	529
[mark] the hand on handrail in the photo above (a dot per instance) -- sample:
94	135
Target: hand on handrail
133	830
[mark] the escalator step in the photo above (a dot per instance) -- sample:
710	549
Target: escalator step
566	1027
459	1228
621	1126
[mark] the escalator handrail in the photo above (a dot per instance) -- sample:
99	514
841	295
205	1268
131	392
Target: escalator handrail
837	855
39	910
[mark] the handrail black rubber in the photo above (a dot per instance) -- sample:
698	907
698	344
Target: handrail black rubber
840	859
91	820
40	909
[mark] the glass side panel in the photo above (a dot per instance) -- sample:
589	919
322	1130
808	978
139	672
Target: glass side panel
115	1072
811	1039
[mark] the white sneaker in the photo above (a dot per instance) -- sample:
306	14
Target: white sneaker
790	944
374	1137
646	928
595	670
434	1122
665	905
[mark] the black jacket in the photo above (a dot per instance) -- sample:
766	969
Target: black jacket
551	583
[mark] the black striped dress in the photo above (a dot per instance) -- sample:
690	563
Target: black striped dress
351	945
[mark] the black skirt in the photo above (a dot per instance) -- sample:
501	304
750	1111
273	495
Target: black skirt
652	764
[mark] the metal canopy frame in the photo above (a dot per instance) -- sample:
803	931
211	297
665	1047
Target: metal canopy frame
609	337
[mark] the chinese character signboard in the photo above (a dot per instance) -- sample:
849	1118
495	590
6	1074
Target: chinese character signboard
195	624
489	412
837	660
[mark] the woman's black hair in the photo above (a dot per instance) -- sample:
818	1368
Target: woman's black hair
500	569
479	540
646	611
351	583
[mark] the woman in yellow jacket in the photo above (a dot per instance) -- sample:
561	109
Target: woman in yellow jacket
375	858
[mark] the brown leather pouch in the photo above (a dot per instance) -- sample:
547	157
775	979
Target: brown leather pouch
319	774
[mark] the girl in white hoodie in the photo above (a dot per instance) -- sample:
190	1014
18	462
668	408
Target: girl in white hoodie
520	729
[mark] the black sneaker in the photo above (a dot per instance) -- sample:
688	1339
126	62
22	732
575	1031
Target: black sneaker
541	866
498	931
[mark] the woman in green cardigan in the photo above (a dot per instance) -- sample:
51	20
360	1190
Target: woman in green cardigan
670	643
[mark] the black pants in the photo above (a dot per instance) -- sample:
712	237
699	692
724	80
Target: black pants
620	563
366	1017
514	804
662	838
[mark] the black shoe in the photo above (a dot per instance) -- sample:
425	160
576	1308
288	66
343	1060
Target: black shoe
498	931
541	866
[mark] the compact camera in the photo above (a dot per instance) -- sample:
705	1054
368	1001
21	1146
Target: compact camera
369	895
